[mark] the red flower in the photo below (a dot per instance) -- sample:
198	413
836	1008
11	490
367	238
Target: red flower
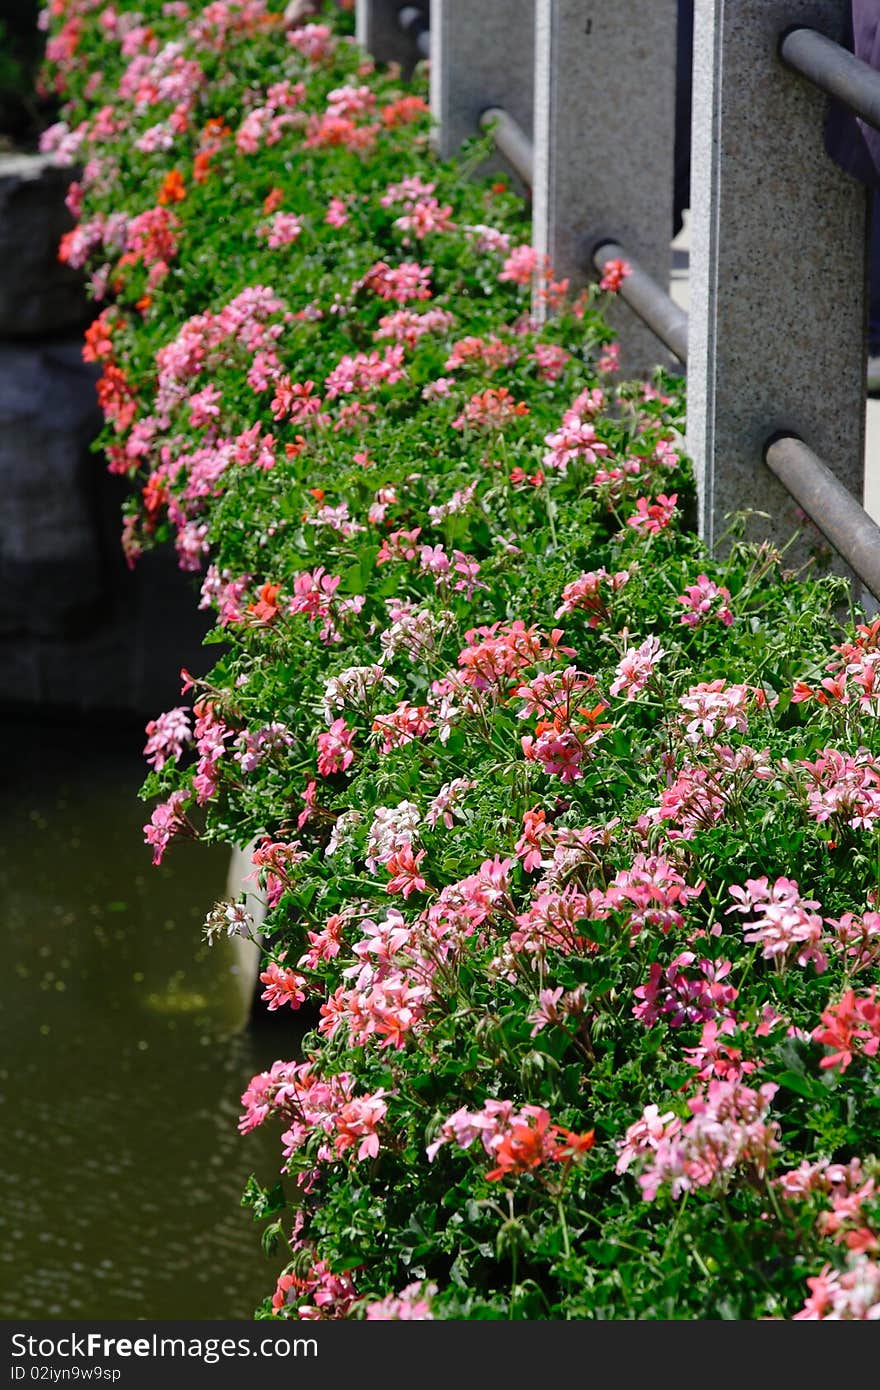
572	1145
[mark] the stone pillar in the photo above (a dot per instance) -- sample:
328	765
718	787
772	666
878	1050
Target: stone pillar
482	55
39	297
778	269
604	143
377	29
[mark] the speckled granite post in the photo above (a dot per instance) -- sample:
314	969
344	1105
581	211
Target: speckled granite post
778	269
377	29
604	143
482	54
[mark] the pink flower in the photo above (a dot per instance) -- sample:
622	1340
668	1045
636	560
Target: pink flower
350	101
282	230
168	735
404	870
413	1304
520	265
851	1027
283	986
434	559
357	1122
561	752
167	819
609	359
785	923
334	749
636	668
653	892
714	704
402	725
646	1136
313	592
586	594
728	1128
547	1011
701	602
537	836
681	999
576	439
425	215
448	802
364	371
337	214
203	407
614	274
402	283
844	785
551	360
844	1296
653	517
273	861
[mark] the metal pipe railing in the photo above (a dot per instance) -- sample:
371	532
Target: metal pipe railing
841	519
837	514
666	320
834	70
414	25
511	140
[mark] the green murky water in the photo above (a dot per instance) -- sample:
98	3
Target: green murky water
121	1053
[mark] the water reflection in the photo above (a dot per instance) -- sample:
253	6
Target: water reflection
122	1060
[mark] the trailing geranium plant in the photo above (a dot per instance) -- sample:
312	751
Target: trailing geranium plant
567	831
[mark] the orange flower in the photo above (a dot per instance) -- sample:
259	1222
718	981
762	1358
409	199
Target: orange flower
522	1149
403	111
173	188
265	608
155	493
201	166
98	336
272	200
592	715
572	1145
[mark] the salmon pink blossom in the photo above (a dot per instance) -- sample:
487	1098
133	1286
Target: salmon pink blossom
335	752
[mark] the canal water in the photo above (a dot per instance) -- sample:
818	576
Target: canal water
123	1056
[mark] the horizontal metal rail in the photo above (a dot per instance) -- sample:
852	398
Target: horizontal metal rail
666	320
512	141
834	70
841	519
413	23
643	295
837	514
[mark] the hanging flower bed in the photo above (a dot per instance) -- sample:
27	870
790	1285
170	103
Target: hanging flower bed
567	830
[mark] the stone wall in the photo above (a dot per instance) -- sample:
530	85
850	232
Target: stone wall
78	631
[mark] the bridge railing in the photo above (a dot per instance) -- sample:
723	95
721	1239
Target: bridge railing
580	97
